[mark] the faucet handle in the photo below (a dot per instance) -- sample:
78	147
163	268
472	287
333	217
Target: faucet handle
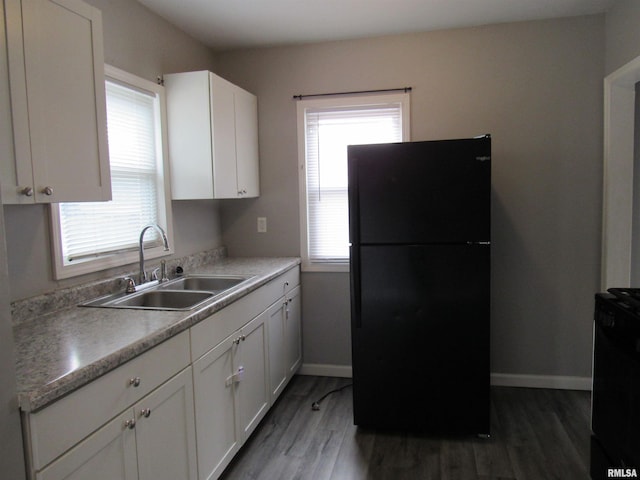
154	273
130	285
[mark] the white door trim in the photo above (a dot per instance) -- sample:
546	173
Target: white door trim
617	204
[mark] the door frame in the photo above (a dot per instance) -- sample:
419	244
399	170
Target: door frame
617	205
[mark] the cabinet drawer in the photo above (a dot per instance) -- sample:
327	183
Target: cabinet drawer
59	426
277	287
214	329
291	279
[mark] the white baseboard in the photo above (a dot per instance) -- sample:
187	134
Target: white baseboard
541	381
498	379
323	370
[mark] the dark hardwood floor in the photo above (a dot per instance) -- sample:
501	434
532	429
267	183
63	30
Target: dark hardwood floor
536	434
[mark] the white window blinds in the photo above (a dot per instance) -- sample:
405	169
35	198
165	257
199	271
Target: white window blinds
91	230
328	131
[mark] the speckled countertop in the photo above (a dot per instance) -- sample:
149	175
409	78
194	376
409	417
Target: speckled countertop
61	351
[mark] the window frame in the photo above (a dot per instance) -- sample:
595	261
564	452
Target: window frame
325	103
130	255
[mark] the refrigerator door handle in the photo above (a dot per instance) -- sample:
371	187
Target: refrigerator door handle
355	286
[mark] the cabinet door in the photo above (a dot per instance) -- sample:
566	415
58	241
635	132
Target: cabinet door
218	434
190	134
285	340
252	386
224	138
213	150
293	332
165	431
61	109
277	366
247	168
108	454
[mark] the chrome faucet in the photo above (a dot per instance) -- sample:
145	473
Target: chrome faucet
143	274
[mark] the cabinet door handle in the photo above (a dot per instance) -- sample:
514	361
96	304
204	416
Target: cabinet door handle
134	382
130	424
145	412
47	191
27	191
235	378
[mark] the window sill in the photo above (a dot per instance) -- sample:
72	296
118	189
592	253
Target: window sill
325	267
106	262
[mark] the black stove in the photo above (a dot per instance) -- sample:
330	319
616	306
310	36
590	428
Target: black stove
629	297
615	414
618	313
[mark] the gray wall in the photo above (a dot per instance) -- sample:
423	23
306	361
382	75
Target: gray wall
622	34
142	43
537	88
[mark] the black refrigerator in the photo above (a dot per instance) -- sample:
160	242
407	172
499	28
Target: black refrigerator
419	228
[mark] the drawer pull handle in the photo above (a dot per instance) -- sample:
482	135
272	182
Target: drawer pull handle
135	381
145	412
130	424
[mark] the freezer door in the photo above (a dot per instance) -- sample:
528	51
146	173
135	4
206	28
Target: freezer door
420	334
420	192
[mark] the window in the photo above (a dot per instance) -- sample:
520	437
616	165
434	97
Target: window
325	128
92	236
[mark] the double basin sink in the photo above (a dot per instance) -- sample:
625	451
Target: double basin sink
182	293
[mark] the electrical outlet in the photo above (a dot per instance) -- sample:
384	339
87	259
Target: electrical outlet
262	224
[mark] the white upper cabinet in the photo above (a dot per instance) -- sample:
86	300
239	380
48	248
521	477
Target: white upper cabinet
56	75
213	137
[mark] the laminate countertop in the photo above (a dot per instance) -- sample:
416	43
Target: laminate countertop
64	350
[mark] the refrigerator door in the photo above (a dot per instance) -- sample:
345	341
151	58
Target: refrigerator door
420	338
420	192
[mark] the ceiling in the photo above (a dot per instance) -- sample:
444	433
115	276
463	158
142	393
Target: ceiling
235	24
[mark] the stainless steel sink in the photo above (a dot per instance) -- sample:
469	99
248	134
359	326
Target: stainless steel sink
184	293
209	283
154	300
165	299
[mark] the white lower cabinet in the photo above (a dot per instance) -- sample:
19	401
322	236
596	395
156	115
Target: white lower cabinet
107	454
181	410
165	431
231	395
285	345
236	353
293	332
155	439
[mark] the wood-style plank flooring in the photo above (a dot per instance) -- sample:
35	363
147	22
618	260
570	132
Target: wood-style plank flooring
536	434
